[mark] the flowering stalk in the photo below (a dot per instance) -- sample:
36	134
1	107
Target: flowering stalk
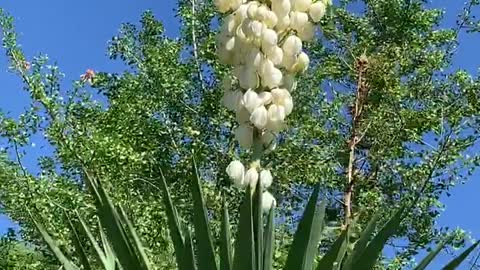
262	41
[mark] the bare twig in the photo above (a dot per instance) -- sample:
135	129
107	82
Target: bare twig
195	49
355	138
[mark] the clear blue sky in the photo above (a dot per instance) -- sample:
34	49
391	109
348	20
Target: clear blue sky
75	35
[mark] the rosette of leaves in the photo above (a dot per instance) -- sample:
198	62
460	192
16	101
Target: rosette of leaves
252	248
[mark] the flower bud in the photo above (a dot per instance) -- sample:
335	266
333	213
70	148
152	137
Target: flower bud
283	23
268	201
259	117
317	11
266	178
272	77
244	136
262	13
275	54
223	5
271	19
252	10
236	171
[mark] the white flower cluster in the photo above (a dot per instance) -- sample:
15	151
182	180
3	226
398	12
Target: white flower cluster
262	40
241	179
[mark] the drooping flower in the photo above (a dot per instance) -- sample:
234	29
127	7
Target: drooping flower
317	11
266	178
251	177
236	172
268	201
259	117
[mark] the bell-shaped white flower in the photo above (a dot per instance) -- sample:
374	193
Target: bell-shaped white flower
271	19
302	63
266	178
283	23
276	113
236	172
259	117
298	20
244	136
223	5
281	7
251	100
235	4
266	97
292	45
268	201
307	33
272	77
232	99
275	54
269	39
255	29
282	98
252	10
302	5
262	13
251	177
317	10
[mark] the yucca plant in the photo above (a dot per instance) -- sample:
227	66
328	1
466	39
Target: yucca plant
121	247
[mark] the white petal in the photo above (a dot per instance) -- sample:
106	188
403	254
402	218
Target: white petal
259	117
262	13
266	178
244	136
252	10
276	113
249	78
266	97
271	19
230	44
275	54
317	11
272	78
275	126
222	5
283	23
268	201
236	171
254	57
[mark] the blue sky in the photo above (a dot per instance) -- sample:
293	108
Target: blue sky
75	35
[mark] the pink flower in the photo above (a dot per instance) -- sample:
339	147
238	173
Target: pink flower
88	76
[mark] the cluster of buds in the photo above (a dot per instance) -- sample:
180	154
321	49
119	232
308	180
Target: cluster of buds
262	40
